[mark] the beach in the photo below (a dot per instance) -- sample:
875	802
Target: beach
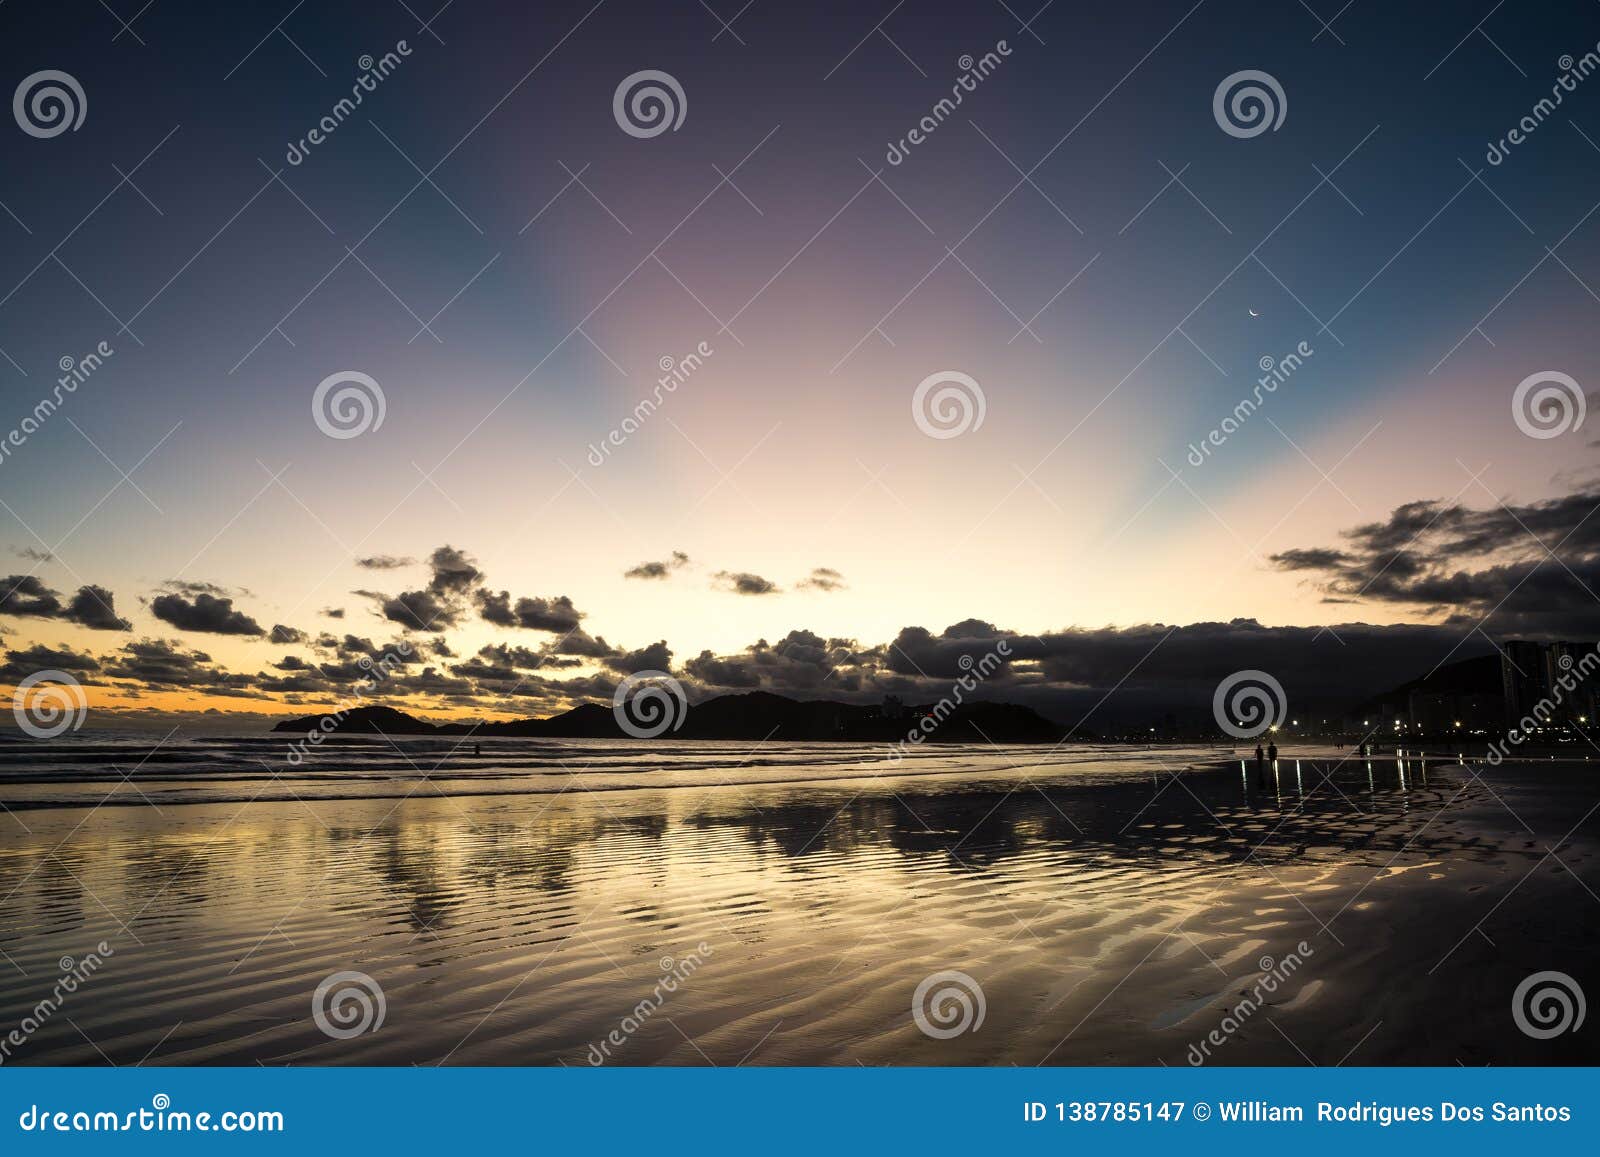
714	904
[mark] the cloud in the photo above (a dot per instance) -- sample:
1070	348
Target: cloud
207	613
655	657
822	578
384	562
26	594
187	587
743	583
420	611
21	664
283	635
555	615
1527	568
454	572
333	612
92	606
160	663
32	555
658	570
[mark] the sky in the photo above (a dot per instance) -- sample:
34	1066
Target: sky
509	266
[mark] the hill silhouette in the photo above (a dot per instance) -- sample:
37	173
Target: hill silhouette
755	716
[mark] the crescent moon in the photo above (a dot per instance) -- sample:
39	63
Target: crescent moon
1253	313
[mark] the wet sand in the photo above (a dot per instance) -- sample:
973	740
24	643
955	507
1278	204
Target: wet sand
1106	918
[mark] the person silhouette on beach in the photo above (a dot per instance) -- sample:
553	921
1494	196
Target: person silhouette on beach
1272	753
1260	766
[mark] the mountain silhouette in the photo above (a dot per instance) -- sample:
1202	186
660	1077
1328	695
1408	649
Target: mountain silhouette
756	715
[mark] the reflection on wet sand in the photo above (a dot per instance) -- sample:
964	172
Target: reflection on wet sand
1108	919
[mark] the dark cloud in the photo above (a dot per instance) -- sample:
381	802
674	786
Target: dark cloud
1530	568
26	594
421	611
207	613
454	572
33	555
283	635
655	657
743	583
333	612
92	606
384	562
21	664
822	578
187	587
800	662
159	663
657	570
555	615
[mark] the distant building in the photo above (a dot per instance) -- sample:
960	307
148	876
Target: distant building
1530	673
